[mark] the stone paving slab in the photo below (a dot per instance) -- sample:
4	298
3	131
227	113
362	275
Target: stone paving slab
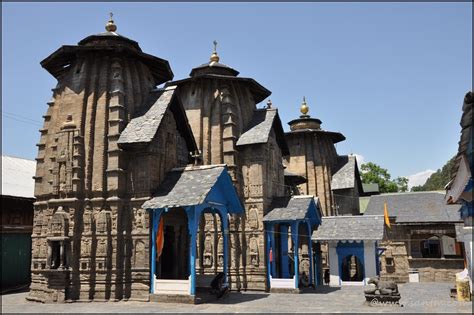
416	297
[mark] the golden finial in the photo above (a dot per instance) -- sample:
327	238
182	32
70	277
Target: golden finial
110	26
304	109
214	56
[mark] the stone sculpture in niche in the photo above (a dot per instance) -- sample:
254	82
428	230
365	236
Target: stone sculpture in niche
253	217
208	251
254	250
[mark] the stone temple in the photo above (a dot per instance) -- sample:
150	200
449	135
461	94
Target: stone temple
144	192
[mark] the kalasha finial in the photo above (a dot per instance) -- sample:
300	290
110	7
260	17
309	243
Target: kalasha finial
214	56
110	26
304	109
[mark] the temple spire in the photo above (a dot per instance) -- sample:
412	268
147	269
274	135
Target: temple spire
110	26
214	57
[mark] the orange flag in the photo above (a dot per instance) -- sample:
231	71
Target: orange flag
160	239
385	214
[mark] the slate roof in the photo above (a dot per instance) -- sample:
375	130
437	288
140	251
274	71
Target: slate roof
141	130
258	91
415	207
371	188
17	177
185	187
57	63
348	175
260	127
366	227
289	209
210	67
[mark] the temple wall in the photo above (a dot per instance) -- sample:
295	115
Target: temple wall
403	254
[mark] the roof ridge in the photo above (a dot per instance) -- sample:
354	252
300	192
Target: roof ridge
197	167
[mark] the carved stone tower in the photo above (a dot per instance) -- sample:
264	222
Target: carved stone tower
220	107
83	247
313	155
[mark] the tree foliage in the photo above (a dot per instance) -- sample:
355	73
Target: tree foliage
372	173
439	179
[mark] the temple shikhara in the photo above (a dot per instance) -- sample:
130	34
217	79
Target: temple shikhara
146	193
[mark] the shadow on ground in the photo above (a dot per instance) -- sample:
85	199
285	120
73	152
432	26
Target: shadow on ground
238	297
320	290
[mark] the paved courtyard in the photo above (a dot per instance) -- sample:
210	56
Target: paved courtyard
416	297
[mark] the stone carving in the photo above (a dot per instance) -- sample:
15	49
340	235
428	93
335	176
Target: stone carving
38	222
42	249
88	219
102	247
140	253
254	251
85	247
207	251
103	222
114	222
140	220
304	248
383	293
220	251
253	217
59	225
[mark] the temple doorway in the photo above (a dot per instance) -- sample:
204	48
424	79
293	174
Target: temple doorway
173	263
352	269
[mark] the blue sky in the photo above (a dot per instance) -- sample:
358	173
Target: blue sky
390	76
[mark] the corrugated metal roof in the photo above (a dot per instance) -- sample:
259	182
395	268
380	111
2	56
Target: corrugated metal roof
17	177
415	207
366	227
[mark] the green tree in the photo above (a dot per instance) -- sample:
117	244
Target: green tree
374	174
439	179
402	184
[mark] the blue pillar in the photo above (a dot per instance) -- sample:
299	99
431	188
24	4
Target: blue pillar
294	236
272	244
285	271
310	249
225	234
155	218
268	240
192	213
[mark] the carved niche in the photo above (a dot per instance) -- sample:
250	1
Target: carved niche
207	251
63	158
103	223
220	251
253	247
140	220
86	247
88	220
42	249
102	247
139	254
38	222
59	225
253	217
